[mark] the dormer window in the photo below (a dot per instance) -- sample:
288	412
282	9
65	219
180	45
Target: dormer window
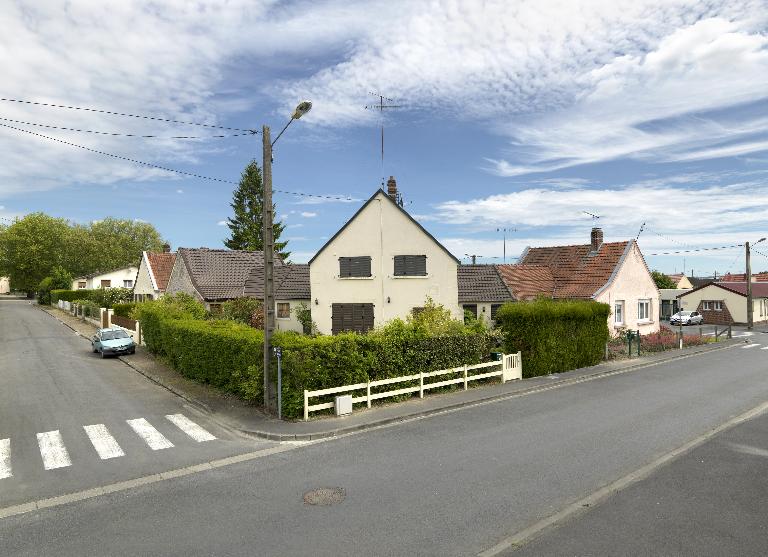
350	267
410	265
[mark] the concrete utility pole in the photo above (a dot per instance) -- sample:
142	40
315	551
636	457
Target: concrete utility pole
269	263
749	288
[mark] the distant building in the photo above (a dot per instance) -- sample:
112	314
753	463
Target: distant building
681	281
153	274
725	303
123	277
5	285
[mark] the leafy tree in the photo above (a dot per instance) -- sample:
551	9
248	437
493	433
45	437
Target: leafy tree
244	310
247	226
119	242
59	279
662	280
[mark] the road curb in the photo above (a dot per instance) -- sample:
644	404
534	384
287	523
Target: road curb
468	404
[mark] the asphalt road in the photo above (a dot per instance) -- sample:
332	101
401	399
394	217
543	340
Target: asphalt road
451	484
52	387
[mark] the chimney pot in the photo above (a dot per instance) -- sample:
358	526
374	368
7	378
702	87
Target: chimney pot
392	188
597	238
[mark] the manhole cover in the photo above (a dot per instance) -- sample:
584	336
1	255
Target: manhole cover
325	496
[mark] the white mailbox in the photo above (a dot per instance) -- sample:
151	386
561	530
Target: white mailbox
343	405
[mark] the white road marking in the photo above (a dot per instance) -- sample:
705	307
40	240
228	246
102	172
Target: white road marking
5	458
764	348
190	428
750	345
151	436
103	442
52	450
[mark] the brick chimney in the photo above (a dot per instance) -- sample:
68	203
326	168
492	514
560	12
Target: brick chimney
597	238
166	248
392	188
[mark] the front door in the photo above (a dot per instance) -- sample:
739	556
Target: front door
351	317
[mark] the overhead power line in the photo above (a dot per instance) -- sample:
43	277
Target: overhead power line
119	134
167	169
123	114
699	249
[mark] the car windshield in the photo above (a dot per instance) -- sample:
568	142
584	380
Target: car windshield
112	335
684	314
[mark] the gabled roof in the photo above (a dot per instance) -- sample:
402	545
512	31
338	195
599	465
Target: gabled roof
759	289
482	283
527	281
742	277
90	276
291	282
160	266
219	274
578	271
361	209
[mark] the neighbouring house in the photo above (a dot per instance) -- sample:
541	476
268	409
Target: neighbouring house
153	275
725	303
213	276
614	273
681	281
291	293
5	285
123	277
742	277
380	265
670	304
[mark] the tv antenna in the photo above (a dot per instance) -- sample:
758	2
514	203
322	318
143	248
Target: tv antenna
595	217
380	106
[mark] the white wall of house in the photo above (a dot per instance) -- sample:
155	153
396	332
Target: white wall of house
382	231
144	288
631	285
736	303
5	285
290	323
483	310
120	278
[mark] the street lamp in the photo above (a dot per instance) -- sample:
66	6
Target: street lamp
269	247
750	320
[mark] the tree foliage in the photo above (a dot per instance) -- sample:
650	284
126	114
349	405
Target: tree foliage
662	280
247	225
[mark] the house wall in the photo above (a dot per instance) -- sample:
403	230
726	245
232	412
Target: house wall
5	285
381	231
684	283
483	310
291	323
180	281
632	282
116	277
736	303
143	286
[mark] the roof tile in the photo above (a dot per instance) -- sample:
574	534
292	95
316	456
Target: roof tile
161	265
219	274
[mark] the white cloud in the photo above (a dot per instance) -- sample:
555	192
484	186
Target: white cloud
179	191
221	223
308	214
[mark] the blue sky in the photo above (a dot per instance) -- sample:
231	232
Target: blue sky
515	114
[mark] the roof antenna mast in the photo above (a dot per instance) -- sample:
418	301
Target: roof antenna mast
380	106
595	217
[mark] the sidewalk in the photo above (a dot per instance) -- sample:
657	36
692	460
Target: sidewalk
250	420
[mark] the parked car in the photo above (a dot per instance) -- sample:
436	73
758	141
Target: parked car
686	318
112	342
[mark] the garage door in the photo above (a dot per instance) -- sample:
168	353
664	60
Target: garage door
351	317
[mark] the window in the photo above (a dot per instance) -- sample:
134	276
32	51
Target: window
355	266
410	265
618	312
82	284
127	284
494	309
351	317
106	283
416	311
712	305
283	310
215	309
470	311
643	310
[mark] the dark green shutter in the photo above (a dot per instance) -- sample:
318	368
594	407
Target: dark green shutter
410	265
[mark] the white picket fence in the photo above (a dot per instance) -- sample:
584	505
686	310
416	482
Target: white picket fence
510	367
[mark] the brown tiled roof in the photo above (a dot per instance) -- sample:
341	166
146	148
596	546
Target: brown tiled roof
676	277
578	272
481	283
742	277
219	274
759	289
527	281
291	282
161	265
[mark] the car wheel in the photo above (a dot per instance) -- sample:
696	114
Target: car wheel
133	351
103	355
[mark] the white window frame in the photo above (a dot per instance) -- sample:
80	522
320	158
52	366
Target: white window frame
646	318
127	283
618	311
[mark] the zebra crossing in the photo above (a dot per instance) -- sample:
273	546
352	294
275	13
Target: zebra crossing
54	453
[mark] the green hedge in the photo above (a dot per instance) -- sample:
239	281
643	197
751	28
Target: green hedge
124	310
70	295
229	355
555	336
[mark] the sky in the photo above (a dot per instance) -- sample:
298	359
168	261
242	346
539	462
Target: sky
512	114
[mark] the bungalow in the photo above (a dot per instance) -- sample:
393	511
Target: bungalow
380	265
123	277
291	293
725	303
5	285
213	276
614	273
153	274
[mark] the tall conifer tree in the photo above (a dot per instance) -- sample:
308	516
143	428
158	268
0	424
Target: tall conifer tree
247	225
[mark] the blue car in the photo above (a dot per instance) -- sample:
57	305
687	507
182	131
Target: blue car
113	342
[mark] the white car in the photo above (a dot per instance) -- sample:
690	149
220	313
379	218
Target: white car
686	318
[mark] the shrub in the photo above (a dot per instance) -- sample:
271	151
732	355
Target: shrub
90	309
59	278
124	310
69	295
108	297
248	311
555	336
